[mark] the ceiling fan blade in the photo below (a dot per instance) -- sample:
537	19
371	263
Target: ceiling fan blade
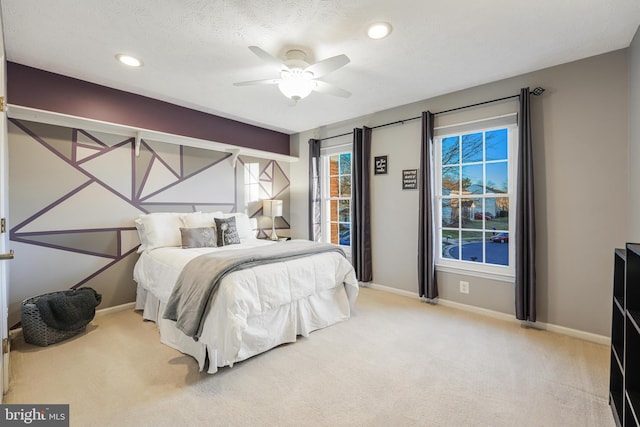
272	60
328	65
328	88
258	82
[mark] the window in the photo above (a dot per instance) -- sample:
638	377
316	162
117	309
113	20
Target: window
336	198
475	178
252	183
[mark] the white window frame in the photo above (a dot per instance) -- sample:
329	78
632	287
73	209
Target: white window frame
326	153
473	268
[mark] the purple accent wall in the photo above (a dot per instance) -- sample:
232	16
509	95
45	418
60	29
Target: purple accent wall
35	88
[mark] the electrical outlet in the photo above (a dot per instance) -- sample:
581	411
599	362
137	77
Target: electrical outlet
464	287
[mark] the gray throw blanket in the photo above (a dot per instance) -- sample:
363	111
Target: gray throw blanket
68	310
200	278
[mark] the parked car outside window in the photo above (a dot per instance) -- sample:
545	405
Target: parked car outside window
500	238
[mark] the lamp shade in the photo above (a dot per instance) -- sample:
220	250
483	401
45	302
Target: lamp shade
272	208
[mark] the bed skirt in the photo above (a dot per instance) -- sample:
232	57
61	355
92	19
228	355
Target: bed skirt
258	333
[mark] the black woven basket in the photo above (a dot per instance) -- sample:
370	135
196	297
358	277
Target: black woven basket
36	331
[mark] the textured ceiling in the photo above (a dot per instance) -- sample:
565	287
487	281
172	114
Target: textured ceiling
194	50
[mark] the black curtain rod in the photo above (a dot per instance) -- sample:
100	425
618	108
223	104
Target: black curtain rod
537	92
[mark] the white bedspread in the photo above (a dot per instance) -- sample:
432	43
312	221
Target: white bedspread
158	270
258	308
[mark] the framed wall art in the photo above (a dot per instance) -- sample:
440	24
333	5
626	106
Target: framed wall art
380	165
410	179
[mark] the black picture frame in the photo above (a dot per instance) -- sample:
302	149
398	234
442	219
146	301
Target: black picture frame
380	165
410	179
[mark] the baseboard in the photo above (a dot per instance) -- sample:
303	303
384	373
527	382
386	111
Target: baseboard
116	308
587	336
478	310
390	290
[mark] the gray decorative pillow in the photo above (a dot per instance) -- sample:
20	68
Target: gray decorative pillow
199	237
227	231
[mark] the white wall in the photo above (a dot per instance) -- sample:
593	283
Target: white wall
299	212
580	137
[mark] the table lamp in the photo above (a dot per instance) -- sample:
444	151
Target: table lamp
272	208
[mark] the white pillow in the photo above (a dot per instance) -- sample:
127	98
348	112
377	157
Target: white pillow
200	219
243	225
141	235
160	229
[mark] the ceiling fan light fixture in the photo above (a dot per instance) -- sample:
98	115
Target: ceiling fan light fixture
129	60
296	83
296	88
379	30
297	77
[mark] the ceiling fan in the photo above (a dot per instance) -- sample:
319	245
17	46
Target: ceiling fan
298	78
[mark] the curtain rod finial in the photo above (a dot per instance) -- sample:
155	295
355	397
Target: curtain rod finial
538	91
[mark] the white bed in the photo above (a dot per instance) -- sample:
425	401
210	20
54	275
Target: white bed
254	309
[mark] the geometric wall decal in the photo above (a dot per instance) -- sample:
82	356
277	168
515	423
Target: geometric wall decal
106	139
273	181
196	159
56	137
91	207
214	207
267	178
207	185
99	242
159	177
37	176
84	152
74	194
168	207
280	181
86	140
128	240
266	181
141	164
169	153
112	167
281	222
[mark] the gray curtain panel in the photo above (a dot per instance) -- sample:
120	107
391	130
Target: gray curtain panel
361	205
427	285
525	217
315	230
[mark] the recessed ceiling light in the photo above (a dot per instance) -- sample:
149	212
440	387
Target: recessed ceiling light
129	60
379	30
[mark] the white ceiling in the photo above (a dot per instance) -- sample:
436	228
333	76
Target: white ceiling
194	50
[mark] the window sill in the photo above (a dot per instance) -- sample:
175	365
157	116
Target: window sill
510	278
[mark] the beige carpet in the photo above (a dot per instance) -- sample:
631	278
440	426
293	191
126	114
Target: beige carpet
397	362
